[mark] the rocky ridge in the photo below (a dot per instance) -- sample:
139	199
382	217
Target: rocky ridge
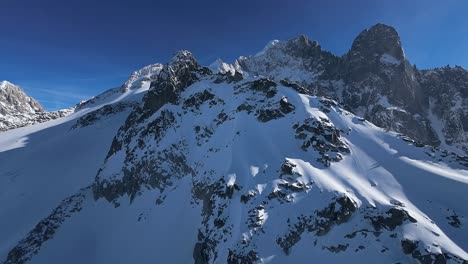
18	109
375	80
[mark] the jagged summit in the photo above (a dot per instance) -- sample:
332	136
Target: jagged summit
14	100
182	56
302	46
181	63
299	59
17	109
374	79
181	71
378	40
219	66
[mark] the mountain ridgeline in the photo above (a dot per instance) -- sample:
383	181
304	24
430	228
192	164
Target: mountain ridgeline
373	79
272	159
376	81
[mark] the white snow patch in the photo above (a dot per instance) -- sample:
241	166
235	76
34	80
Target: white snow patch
231	179
254	170
440	169
389	59
267	47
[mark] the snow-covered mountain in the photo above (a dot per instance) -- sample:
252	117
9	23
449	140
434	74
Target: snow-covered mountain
243	163
14	100
17	109
376	81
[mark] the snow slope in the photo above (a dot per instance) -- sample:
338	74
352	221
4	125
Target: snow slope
43	163
209	168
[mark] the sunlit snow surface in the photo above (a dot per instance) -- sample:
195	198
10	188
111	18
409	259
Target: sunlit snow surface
42	164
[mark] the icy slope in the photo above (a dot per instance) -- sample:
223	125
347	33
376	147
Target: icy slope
210	168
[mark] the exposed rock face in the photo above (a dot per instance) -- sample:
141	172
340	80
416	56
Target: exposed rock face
381	85
447	92
375	46
414	249
179	73
182	71
46	228
95	116
21	120
17	109
14	100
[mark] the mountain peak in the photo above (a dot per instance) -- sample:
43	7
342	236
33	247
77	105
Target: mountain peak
379	39
14	100
303	40
181	71
219	66
383	27
180	59
182	56
302	46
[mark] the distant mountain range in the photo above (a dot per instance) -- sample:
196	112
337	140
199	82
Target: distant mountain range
293	155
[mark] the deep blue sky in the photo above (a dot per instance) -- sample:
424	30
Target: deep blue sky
61	52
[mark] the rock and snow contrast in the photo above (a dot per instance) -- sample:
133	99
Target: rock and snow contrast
376	81
18	109
14	100
266	160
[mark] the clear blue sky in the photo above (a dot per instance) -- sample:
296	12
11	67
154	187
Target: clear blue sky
64	51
